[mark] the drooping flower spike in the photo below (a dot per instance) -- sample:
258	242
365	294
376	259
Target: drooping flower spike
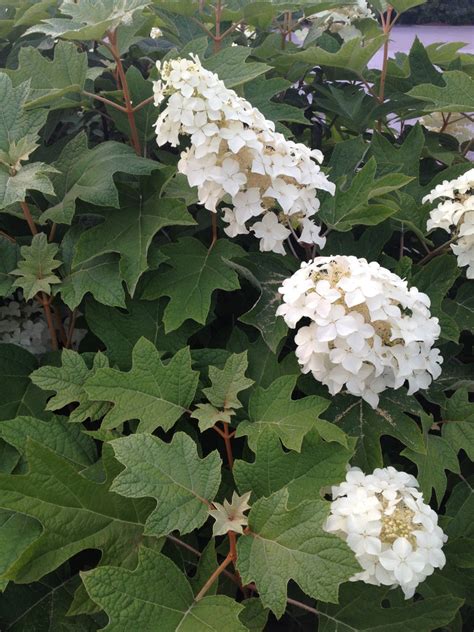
368	330
236	157
393	533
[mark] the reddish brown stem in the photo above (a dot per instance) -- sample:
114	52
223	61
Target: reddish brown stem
387	27
113	48
143	103
59	324
29	218
228	445
222	566
109	102
437	251
52	232
213	230
7	236
217	36
70	330
45	302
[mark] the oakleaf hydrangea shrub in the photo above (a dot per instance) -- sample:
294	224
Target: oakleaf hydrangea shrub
236	317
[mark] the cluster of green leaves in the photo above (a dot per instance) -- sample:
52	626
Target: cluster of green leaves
185	391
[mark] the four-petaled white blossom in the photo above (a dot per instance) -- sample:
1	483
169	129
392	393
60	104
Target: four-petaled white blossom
455	214
395	536
235	156
368	330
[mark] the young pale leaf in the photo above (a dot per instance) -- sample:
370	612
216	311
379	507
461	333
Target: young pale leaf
87	174
273	410
76	513
196	273
158	597
55	82
18	128
304	474
228	382
36	269
231	515
360	609
18	395
368	425
89	19
35	176
173	474
68	382
457	95
120	330
56	433
207	416
9	253
289	544
155	393
129	231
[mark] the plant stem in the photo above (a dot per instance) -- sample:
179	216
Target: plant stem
7	236
52	231
44	299
70	330
113	48
387	27
437	251
112	104
222	566
213	230
29	218
217	16
228	445
143	103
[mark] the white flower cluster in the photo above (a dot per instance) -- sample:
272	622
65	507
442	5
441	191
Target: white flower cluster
393	533
341	20
457	125
368	330
455	213
236	156
24	324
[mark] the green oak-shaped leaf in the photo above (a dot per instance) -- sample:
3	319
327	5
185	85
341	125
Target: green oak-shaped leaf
457	95
9	253
274	410
154	392
359	202
158	597
265	272
89	19
369	425
228	382
35	270
17	533
55	82
88	175
75	512
57	434
207	416
18	127
230	64
172	473
196	273
286	544
439	455
67	381
120	330
18	395
458	426
33	176
318	465
360	609
129	231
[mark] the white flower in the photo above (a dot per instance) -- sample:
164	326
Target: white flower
156	32
271	234
455	214
236	156
340	20
369	331
456	125
376	515
234	228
